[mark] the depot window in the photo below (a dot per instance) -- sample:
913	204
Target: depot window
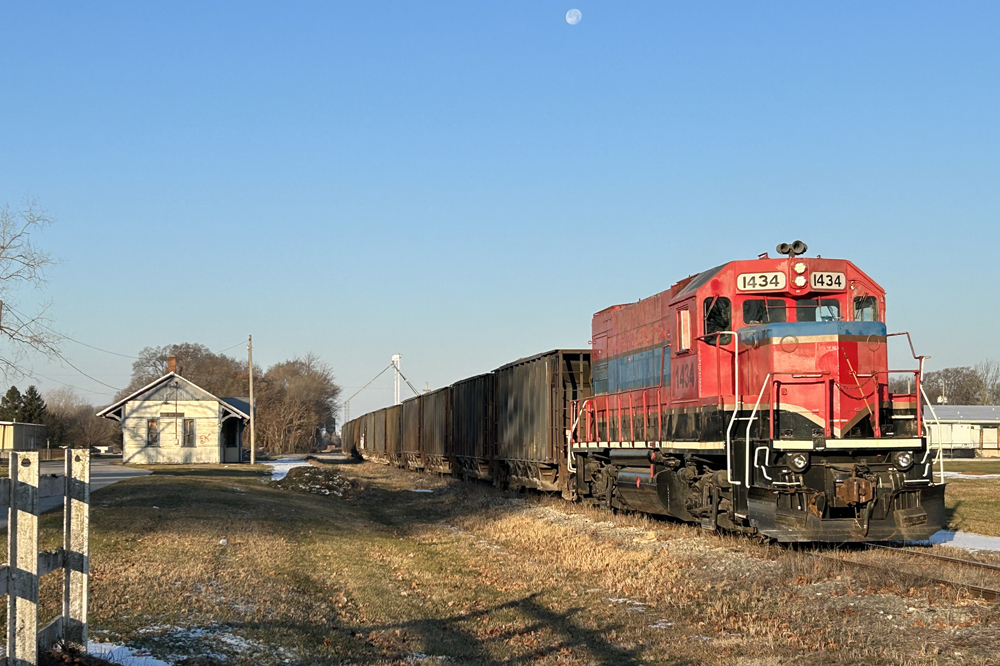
189	432
718	317
764	311
817	309
152	432
865	308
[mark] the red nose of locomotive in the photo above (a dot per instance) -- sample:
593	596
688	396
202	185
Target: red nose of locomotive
816	353
839	455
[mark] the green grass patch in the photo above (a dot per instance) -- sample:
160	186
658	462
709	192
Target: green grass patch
972	466
974	505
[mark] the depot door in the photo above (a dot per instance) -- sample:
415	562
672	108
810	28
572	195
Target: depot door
229	440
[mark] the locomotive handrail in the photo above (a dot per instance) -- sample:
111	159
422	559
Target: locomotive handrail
750	423
736	393
569	435
940	439
920	391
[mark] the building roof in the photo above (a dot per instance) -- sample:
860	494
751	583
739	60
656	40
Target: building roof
241	405
235	406
964	413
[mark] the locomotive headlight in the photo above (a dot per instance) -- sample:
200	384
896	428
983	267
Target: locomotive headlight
800	280
799	268
903	460
798	461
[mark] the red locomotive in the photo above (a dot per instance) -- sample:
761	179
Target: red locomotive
755	397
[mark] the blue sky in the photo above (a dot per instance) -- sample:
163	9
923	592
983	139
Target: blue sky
466	183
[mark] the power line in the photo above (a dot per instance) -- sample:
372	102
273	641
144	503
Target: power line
31	374
23	316
85	344
21	319
366	385
93	379
228	348
99	349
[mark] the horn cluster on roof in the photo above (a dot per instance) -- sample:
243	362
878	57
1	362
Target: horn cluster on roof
793	249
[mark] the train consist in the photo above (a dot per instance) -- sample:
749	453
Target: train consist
753	397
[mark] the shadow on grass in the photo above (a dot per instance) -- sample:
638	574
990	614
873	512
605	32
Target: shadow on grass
340	460
214	472
445	637
951	514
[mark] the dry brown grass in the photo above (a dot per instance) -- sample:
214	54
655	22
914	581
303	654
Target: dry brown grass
385	575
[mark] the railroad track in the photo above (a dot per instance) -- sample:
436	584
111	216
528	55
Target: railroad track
987	593
942	558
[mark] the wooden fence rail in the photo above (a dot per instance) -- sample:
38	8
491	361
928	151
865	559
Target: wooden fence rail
22	494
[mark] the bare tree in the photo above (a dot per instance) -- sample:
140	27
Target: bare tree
216	373
958	385
23	266
296	399
987	390
72	421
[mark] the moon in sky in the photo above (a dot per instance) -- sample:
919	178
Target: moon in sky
573	16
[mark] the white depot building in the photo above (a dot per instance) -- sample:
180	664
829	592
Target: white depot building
173	420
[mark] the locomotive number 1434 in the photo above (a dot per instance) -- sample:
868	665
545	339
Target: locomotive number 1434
828	281
765	281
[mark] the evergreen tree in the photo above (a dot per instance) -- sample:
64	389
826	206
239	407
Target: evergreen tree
32	406
11	405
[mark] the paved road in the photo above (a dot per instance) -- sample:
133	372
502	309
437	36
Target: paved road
101	474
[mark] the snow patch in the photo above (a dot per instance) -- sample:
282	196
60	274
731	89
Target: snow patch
633	606
967	475
279	468
968	540
120	654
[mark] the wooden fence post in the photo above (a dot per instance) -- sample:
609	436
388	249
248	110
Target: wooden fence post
76	546
22	543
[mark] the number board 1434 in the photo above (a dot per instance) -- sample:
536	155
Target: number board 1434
764	281
827	281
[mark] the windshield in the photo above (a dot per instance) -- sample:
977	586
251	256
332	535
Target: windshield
817	309
764	311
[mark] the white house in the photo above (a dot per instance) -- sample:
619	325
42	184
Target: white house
964	430
173	420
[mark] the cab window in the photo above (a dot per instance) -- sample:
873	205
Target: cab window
718	317
866	308
817	309
683	330
764	311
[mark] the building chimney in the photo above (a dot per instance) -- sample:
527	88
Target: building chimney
171	364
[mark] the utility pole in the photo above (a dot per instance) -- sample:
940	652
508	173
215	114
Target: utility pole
396	358
253	439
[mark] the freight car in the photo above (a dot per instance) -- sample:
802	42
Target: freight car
753	397
508	426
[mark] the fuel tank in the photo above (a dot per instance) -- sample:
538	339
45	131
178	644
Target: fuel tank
660	492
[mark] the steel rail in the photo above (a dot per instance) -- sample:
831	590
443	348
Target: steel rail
989	594
935	556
